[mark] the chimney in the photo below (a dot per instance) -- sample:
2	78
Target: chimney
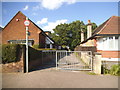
89	29
82	35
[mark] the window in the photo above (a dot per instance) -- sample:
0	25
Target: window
111	43
116	37
110	37
30	42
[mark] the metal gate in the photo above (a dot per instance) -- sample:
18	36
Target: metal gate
74	60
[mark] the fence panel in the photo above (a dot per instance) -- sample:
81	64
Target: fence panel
74	60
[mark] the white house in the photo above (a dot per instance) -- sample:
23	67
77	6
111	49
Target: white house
106	38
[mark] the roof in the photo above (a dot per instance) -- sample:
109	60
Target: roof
33	23
48	31
109	28
1	28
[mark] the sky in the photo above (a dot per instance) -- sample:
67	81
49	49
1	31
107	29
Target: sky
47	14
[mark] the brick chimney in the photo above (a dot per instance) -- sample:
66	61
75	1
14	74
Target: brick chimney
89	29
82	35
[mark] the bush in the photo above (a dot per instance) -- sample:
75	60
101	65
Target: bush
115	70
104	70
46	49
36	46
10	53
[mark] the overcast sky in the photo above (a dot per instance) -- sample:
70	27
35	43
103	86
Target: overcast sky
49	13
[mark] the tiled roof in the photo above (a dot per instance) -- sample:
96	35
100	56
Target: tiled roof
1	28
110	26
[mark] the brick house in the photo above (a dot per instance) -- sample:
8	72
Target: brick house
1	35
14	32
106	38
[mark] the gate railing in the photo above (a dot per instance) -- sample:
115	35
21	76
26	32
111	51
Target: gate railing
68	60
74	60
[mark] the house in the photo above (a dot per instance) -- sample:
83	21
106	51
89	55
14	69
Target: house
1	35
48	33
106	39
15	32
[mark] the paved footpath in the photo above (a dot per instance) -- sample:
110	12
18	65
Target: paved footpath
58	79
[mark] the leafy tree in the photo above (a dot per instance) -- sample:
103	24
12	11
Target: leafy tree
70	34
94	26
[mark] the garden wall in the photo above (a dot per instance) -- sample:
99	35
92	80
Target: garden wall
39	58
17	62
86	48
96	57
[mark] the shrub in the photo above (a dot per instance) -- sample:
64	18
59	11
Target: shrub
115	70
36	46
10	53
46	49
104	70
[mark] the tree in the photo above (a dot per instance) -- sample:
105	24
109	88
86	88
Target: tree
69	34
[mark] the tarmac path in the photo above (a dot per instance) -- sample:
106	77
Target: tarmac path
50	78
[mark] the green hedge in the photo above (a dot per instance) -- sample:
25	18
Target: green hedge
10	53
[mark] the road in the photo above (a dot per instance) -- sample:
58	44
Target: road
50	78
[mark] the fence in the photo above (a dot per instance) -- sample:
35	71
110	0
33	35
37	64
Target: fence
73	60
48	57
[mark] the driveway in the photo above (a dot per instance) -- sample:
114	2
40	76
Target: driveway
49	78
71	61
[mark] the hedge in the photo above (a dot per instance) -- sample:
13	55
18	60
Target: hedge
36	46
10	53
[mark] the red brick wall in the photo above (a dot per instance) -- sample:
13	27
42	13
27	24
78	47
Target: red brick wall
42	40
110	54
16	30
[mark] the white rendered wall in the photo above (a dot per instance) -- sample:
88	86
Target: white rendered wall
110	59
108	44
